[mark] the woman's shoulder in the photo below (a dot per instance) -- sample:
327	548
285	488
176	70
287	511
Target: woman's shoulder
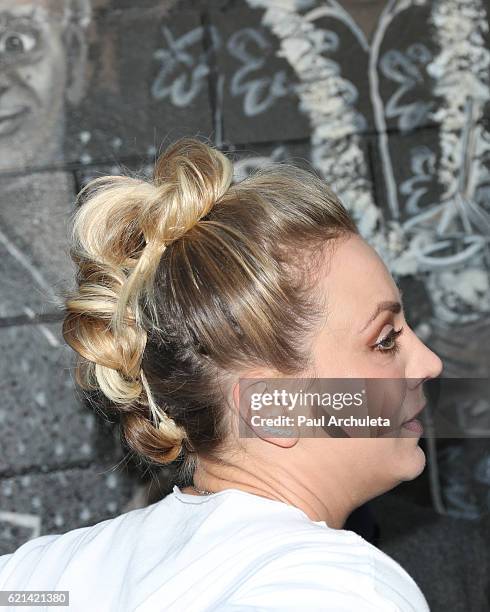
329	569
42	561
305	560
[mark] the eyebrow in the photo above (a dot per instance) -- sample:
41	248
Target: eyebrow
391	306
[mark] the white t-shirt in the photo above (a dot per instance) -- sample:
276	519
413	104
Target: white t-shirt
232	550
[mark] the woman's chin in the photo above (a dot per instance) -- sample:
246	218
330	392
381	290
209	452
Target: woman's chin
413	464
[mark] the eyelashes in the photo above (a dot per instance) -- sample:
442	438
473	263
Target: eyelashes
390	338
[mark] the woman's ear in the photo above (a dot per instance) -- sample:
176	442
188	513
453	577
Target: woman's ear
260	416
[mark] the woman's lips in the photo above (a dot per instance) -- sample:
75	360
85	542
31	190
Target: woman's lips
416	413
10	119
414	425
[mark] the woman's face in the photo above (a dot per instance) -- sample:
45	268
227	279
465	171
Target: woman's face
363	308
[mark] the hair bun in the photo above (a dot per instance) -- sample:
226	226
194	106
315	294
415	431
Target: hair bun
118	236
192	177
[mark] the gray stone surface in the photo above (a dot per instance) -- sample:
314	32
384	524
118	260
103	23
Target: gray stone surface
34	220
255	86
254	156
44	423
153	94
56	502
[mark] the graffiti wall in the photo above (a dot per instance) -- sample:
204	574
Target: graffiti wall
388	101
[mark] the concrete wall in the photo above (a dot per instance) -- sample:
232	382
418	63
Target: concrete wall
389	101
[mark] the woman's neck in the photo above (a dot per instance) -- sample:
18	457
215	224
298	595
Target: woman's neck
322	503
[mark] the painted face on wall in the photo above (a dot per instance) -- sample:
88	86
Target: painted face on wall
34	72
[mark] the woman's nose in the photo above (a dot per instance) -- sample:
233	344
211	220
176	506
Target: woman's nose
423	362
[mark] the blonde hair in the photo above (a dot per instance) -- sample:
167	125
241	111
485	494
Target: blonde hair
186	279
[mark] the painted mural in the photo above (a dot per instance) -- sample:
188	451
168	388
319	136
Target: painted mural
388	101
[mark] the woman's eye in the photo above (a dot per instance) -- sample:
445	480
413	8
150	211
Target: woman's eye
389	344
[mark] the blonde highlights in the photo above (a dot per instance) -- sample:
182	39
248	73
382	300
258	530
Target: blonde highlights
188	278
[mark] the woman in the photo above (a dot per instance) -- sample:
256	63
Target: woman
187	284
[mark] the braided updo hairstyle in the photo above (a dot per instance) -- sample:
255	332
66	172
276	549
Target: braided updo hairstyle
187	280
